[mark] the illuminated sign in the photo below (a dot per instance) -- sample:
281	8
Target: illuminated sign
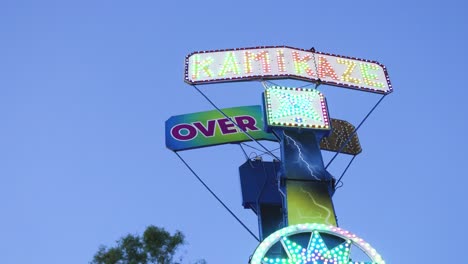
213	128
296	107
286	62
342	132
210	128
319	248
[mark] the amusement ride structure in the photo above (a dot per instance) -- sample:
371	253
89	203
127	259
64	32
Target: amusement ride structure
292	194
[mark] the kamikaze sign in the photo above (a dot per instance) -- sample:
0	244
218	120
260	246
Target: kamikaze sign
286	62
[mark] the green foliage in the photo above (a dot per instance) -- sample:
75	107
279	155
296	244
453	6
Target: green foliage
156	246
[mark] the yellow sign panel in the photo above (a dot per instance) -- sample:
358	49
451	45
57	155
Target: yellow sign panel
309	202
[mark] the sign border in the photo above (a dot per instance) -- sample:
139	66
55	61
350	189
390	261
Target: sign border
323	104
288	76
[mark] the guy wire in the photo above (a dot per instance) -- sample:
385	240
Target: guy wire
216	197
344	172
354	132
230	119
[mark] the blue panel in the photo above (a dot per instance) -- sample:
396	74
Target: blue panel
301	156
259	183
271	219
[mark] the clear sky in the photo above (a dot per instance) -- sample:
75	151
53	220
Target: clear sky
86	86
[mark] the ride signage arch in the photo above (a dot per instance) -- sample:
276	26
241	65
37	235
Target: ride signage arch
281	62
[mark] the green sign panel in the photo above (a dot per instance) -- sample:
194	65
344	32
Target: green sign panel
210	128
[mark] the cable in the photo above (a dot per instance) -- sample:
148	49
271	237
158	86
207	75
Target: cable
337	187
309	84
252	147
263	152
253	155
249	160
216	197
245	153
276	135
267	153
354	132
346	169
272	83
224	114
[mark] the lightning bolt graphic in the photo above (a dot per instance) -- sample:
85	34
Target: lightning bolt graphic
329	213
301	156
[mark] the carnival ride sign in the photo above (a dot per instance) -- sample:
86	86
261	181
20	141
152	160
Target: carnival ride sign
204	129
300	121
296	107
213	128
283	62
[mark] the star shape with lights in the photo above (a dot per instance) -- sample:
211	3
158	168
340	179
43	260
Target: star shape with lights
326	244
296	107
316	252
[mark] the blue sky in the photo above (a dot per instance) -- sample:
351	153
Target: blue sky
85	88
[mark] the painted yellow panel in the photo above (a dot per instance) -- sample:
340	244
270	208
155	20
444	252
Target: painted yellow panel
309	202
